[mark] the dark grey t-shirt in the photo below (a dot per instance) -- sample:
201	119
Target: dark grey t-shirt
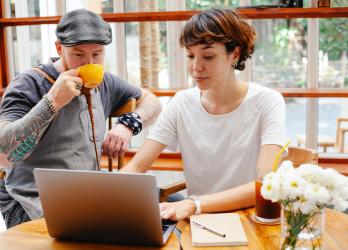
67	143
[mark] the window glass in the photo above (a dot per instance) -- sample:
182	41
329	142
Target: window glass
339	3
26	44
134	5
295	119
280	58
333	73
329	110
264	2
132	51
206	4
107	6
150	50
333	52
133	55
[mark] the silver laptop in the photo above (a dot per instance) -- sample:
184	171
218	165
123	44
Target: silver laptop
102	207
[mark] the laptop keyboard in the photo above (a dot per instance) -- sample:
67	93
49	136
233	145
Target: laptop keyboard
164	228
166	224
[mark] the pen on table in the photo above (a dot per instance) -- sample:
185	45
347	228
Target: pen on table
197	224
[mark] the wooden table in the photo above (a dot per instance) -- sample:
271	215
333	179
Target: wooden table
268	237
33	236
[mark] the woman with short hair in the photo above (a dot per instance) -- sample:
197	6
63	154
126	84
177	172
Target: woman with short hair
228	131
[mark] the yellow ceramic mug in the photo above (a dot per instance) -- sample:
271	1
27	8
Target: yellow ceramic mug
91	74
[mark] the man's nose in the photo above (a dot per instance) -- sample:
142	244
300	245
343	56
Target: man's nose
89	60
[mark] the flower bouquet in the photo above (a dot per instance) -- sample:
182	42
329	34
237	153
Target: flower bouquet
304	192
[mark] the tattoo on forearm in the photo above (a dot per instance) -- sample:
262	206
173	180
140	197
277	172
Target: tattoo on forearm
23	148
149	109
19	138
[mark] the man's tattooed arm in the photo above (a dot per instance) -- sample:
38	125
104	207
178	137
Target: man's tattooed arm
19	138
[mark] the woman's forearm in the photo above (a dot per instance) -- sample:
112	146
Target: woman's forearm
235	198
145	156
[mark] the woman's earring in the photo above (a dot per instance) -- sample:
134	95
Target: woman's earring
234	65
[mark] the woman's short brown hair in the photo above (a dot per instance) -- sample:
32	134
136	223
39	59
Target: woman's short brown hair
223	26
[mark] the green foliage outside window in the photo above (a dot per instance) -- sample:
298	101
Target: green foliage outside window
207	4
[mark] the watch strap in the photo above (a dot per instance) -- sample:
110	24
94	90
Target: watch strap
197	202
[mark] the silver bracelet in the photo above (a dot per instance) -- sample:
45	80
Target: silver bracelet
50	105
197	202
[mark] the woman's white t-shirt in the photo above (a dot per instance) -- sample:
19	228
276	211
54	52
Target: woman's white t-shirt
220	151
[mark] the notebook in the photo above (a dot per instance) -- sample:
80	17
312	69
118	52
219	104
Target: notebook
215	226
102	207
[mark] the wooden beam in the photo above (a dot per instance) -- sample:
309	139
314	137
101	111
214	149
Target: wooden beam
339	162
171	161
164	92
288	13
286	92
314	92
256	13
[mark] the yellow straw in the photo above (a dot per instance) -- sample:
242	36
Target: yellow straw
276	161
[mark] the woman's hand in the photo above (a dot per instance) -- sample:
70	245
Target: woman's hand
177	210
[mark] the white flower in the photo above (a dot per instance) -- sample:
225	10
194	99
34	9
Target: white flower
306	188
344	191
270	189
335	182
310	172
286	167
339	203
271	176
293	186
306	206
316	194
296	206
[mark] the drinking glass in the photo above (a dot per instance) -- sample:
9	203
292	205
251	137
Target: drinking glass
266	211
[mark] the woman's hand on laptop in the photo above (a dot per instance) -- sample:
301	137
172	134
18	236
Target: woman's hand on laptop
177	210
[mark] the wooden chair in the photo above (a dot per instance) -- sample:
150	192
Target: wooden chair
325	141
295	154
341	129
129	106
300	156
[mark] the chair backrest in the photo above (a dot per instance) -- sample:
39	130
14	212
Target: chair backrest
341	129
129	106
301	156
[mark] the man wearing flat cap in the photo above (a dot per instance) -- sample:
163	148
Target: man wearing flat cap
44	119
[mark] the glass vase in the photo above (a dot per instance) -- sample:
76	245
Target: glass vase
301	231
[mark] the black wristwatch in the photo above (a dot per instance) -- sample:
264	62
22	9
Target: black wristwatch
131	120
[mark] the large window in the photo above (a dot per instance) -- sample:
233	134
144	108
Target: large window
281	57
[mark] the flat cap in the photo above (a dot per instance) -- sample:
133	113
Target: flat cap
83	26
